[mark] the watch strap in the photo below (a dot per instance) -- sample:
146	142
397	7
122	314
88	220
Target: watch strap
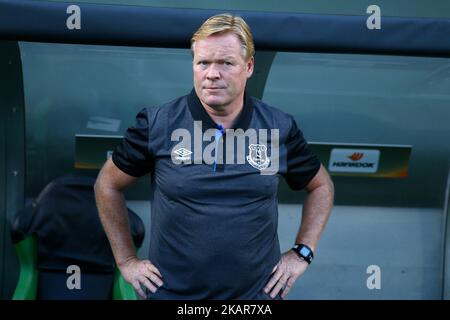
304	252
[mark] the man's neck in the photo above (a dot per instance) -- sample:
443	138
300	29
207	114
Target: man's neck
225	115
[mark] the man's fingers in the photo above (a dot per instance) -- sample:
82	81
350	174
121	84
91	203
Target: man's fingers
148	284
153	277
144	277
153	269
137	287
280	284
288	287
274	279
274	268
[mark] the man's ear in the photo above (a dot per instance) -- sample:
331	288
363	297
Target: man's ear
250	66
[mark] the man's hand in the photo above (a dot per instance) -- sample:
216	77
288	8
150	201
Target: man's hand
141	273
290	267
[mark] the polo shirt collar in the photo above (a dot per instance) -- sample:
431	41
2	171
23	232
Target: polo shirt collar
199	113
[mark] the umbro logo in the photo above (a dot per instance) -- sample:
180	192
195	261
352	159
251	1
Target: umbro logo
182	154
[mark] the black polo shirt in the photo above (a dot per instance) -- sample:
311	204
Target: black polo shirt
214	226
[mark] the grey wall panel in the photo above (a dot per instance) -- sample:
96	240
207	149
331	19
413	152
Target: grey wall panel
375	100
404	242
67	86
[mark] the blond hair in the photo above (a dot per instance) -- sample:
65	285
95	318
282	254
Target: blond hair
226	23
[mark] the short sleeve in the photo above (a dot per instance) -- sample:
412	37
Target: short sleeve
302	163
132	155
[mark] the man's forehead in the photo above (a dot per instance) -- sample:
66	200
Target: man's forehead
217	54
223	46
226	36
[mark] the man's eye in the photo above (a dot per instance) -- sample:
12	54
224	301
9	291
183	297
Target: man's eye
203	63
228	63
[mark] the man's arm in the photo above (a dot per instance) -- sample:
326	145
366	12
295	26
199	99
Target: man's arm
316	210
114	218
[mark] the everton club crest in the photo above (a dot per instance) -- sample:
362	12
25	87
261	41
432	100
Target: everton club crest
258	156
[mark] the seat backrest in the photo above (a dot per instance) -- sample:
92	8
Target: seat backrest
65	221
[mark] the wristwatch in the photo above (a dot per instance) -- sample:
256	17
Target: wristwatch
304	252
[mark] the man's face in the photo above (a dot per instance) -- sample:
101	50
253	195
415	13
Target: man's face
220	70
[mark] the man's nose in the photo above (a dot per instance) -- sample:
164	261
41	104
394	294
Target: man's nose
213	72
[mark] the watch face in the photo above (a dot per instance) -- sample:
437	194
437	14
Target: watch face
305	251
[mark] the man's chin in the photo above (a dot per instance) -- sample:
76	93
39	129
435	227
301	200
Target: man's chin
215	102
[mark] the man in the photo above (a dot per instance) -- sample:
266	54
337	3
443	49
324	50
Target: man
214	213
